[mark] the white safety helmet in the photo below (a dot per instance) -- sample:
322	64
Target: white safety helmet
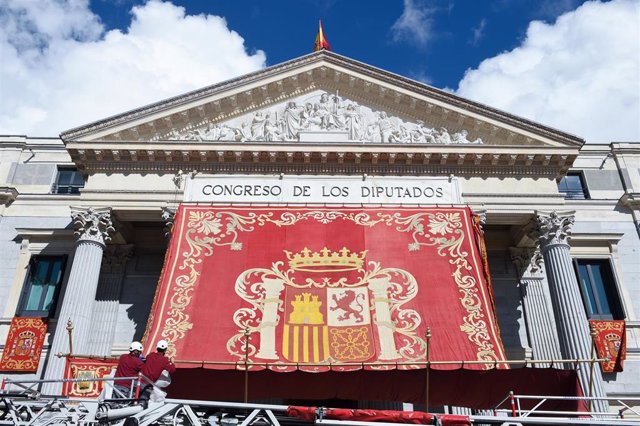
135	346
162	345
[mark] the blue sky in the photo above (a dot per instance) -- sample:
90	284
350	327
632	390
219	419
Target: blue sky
449	37
570	64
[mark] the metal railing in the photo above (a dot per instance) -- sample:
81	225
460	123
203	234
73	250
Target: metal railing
515	406
22	404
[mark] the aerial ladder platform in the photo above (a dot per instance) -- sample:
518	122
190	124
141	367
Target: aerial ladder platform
22	404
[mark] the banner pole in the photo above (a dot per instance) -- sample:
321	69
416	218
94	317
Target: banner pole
593	350
428	336
70	332
246	364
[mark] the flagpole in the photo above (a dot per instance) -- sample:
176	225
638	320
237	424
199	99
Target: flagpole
246	365
70	332
426	398
593	356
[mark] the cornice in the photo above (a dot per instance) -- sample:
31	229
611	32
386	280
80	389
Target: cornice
171	156
36	234
396	89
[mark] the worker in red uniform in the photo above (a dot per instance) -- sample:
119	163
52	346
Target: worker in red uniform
129	365
155	363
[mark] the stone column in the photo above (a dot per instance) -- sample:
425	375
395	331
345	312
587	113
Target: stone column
541	326
553	232
93	227
105	307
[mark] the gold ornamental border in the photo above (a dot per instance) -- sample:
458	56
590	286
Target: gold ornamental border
445	230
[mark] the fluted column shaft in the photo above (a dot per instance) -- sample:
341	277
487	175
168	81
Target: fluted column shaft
105	312
541	326
553	231
92	228
542	330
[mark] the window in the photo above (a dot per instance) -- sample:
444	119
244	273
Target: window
40	291
68	181
572	186
598	289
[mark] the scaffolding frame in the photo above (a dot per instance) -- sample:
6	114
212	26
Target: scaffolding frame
27	406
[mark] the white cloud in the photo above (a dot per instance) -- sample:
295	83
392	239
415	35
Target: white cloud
478	32
415	24
61	68
580	74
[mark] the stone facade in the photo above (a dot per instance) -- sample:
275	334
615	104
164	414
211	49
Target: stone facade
361	122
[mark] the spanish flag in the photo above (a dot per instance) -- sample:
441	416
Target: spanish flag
321	42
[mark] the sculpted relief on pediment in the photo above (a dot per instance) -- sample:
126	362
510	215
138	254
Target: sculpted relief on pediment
322	116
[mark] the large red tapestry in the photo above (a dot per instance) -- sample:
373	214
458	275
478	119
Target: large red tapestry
610	343
320	289
24	345
86	368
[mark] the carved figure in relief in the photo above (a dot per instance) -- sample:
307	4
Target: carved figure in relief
461	137
257	126
223	133
422	134
291	118
400	135
328	113
271	130
352	121
386	127
309	119
443	136
244	132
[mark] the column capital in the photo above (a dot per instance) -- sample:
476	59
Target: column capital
92	224
528	261
553	228
116	256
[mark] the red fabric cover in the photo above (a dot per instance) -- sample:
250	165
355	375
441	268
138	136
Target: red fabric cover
85	368
610	341
24	345
478	389
154	364
129	365
234	269
389	416
454	420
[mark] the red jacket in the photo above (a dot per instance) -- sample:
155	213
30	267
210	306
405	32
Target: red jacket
153	366
129	365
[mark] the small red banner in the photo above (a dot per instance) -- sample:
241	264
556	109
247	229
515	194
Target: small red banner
24	345
85	368
610	343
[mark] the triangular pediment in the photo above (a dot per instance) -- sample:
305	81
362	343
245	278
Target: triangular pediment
350	102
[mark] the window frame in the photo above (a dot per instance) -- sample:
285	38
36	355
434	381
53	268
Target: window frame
575	194
21	309
610	289
71	188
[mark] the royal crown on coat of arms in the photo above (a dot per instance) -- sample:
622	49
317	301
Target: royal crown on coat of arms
326	260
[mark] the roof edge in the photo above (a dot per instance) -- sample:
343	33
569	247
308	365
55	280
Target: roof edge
337	59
